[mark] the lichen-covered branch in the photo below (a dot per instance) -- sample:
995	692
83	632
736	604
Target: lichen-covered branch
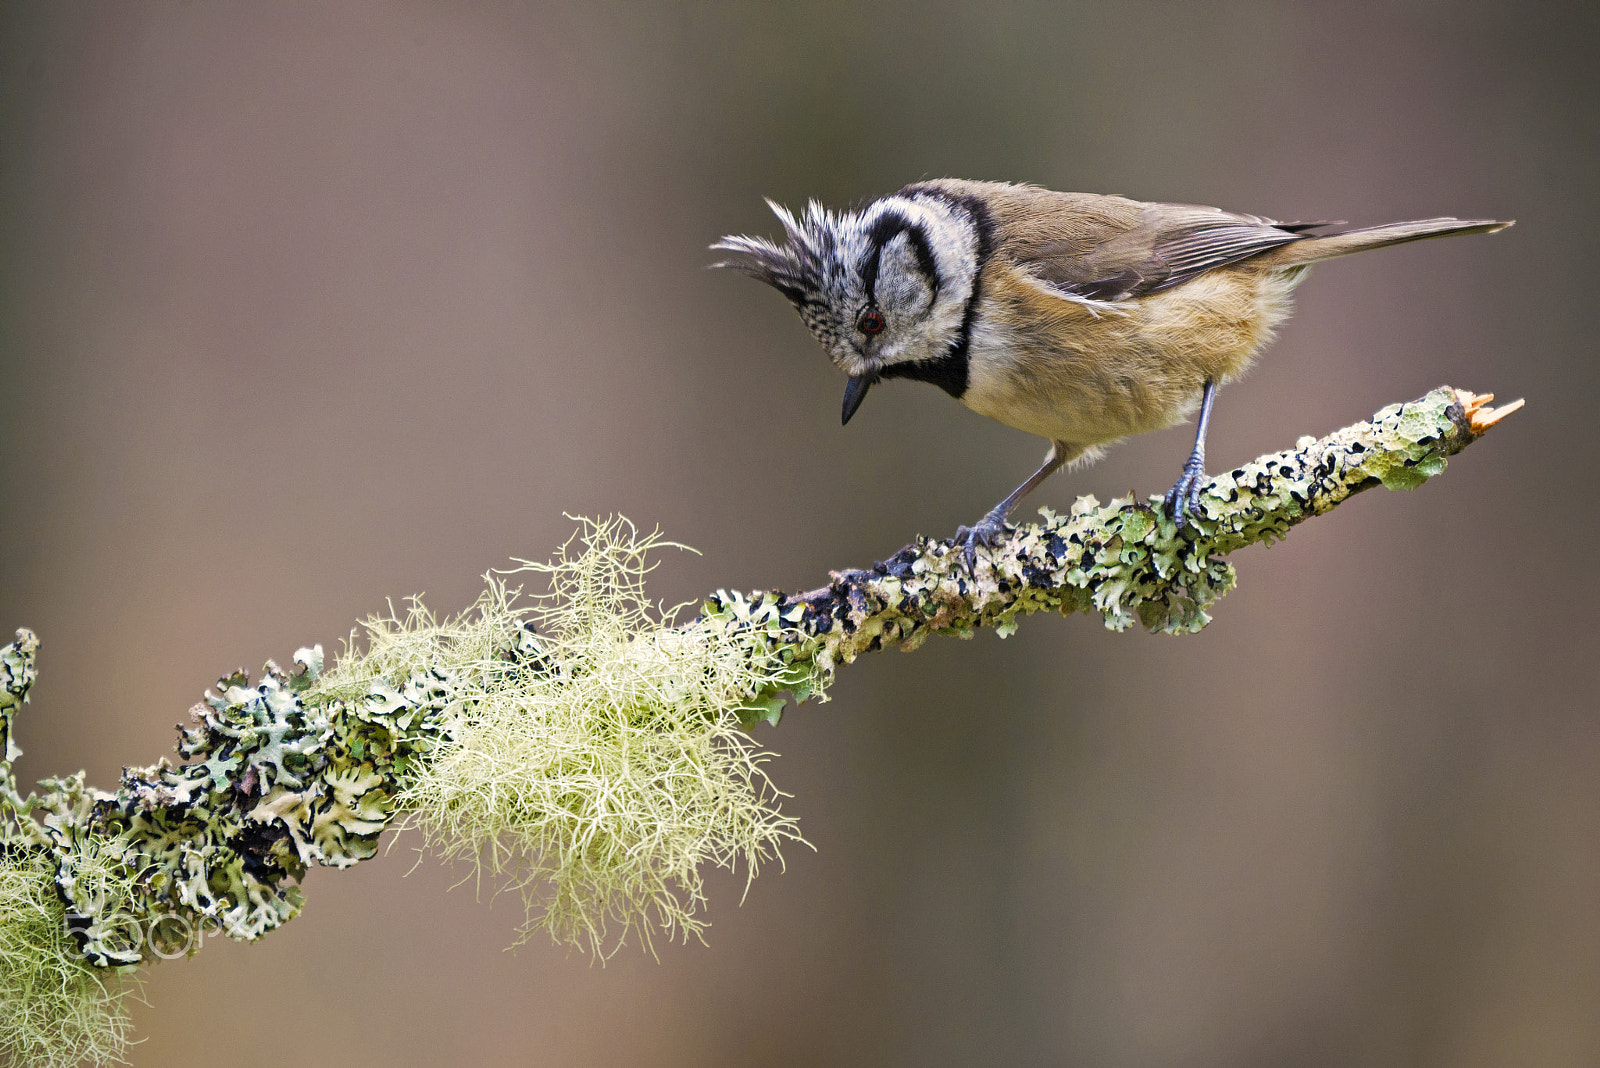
586	751
1126	559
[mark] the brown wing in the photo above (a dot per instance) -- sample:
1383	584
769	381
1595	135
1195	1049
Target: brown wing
1113	248
1166	245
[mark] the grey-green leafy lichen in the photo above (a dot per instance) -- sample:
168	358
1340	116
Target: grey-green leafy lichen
1125	560
584	750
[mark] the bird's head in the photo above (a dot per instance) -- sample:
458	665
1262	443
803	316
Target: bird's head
884	289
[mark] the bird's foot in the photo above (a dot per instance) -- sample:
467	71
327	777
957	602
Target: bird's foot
986	532
1184	496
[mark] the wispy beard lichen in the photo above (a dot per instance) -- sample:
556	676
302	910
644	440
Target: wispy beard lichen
56	1009
598	772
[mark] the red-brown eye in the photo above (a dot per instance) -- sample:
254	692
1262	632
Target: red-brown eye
871	322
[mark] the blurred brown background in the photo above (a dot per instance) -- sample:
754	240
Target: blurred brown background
308	305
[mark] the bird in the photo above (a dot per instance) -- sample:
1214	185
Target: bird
1082	318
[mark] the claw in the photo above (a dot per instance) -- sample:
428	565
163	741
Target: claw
986	532
1184	496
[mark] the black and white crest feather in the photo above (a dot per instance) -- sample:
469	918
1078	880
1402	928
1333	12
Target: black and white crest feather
800	269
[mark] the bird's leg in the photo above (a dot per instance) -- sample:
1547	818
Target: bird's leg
1184	496
988	530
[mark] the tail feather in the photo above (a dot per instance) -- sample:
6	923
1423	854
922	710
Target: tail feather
1326	246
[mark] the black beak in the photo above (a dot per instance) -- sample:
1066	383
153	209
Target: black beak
855	391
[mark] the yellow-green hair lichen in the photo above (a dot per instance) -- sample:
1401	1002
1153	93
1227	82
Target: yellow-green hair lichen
598	770
56	1009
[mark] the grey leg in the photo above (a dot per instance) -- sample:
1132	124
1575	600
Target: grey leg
1184	496
992	526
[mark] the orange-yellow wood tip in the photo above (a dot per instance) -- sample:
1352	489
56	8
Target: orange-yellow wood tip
1479	415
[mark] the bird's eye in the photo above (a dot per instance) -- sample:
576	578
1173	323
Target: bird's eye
870	322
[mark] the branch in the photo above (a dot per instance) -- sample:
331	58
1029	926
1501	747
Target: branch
1126	559
592	756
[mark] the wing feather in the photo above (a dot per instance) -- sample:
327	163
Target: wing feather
1104	254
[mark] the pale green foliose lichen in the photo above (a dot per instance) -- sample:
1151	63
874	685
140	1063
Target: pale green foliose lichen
1125	560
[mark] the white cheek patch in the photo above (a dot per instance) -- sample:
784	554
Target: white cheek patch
925	314
904	293
954	246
